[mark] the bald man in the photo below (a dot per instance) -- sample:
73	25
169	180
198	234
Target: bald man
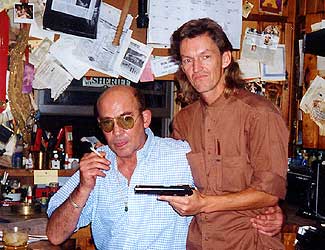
101	192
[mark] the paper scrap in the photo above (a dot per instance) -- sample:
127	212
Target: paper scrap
147	75
50	74
100	54
62	51
277	70
7	4
38	55
320	63
134	60
37	32
313	102
45	176
247	8
166	16
164	65
249	68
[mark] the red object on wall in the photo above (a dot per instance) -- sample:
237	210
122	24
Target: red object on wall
39	192
4	47
38	141
68	140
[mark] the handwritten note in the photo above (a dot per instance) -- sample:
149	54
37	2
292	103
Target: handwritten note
45	176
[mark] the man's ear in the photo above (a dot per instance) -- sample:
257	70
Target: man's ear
146	114
226	59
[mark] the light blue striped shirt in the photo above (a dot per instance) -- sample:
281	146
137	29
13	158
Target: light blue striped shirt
148	223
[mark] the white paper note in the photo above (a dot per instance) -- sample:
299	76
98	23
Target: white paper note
166	16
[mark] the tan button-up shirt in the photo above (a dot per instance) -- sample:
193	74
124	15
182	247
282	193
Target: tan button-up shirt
237	143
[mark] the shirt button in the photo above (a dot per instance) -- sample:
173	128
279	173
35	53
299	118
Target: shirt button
206	217
209	152
206	238
209	130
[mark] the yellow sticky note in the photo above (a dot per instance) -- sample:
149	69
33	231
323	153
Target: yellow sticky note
45	176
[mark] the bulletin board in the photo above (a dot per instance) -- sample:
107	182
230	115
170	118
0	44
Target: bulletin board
139	34
258	17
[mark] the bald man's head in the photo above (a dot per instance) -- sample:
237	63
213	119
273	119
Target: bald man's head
123	92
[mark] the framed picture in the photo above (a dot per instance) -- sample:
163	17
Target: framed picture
271	6
77	17
24	13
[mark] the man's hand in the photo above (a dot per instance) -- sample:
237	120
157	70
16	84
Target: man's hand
269	223
185	205
91	166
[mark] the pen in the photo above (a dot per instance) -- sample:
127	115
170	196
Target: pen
95	151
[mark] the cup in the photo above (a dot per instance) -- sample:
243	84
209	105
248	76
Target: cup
15	238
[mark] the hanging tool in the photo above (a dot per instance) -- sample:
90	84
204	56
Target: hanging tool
119	30
142	19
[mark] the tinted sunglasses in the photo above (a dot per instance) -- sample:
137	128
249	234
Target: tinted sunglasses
123	121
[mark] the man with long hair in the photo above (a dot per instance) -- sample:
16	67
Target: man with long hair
239	145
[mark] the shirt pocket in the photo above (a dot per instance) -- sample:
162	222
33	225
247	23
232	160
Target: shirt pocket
196	161
235	173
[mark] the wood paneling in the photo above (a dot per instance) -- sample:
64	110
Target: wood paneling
315	6
310	131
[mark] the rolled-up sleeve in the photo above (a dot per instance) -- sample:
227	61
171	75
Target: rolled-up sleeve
269	153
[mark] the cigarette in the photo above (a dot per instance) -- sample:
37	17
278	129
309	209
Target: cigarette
95	151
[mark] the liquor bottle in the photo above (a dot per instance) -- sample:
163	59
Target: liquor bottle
29	162
55	162
17	157
66	164
62	155
29	195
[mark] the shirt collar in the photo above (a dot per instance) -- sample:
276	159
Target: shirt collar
219	101
144	151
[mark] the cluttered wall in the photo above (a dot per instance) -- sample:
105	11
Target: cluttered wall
61	48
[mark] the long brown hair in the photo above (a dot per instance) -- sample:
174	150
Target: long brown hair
195	28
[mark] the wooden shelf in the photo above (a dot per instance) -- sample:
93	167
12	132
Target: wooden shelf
30	173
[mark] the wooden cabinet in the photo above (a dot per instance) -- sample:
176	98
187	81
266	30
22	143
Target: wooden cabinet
315	6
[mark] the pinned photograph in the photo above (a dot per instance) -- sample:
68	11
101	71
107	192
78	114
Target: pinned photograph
28	78
24	13
83	3
247	8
